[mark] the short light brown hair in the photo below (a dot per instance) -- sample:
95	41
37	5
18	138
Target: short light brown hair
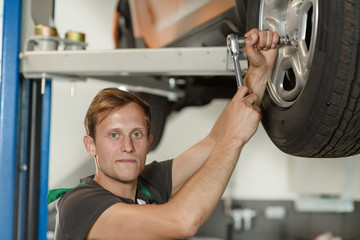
106	101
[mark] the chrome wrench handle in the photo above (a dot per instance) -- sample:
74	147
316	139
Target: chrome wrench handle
234	49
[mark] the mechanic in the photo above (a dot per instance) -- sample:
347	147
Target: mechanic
127	199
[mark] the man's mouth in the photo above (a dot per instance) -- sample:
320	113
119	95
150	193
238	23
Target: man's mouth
126	161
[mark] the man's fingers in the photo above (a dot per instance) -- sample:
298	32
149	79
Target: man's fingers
257	108
261	39
246	95
243	91
275	40
252	37
253	32
250	100
269	40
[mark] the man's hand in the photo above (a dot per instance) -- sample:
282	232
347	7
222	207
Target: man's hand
243	116
261	50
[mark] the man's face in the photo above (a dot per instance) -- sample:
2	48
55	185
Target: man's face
122	143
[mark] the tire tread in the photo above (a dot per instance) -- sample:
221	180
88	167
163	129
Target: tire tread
343	141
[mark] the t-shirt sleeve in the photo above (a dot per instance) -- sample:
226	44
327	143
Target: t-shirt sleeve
80	209
157	178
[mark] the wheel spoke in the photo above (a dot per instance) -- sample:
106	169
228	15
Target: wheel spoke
300	75
302	61
302	34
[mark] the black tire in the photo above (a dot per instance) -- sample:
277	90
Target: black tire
125	36
240	15
161	107
323	120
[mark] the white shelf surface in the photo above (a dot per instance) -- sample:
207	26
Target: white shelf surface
204	61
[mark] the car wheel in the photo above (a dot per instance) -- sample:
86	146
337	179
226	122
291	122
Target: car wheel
312	107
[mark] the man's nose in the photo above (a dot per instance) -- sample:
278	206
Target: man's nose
127	145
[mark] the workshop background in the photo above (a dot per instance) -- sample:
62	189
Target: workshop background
271	195
272	184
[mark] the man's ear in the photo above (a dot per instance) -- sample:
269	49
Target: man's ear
150	141
90	145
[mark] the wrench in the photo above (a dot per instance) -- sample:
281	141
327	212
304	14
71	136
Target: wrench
234	45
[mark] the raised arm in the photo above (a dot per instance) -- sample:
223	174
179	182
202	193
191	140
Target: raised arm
261	49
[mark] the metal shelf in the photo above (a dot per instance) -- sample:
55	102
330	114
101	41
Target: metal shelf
204	61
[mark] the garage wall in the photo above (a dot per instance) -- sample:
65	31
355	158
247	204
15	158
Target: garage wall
94	18
263	171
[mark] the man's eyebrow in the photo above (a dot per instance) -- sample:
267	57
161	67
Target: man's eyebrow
119	129
140	128
112	129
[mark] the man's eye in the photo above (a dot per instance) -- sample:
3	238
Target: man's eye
114	135
137	134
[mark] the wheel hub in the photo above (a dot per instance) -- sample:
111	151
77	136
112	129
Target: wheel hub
297	19
291	21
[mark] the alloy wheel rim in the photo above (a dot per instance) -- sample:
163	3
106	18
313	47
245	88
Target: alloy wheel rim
297	19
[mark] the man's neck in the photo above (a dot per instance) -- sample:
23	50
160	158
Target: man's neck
121	189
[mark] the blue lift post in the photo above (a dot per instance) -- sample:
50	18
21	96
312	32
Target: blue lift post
44	160
9	88
13	201
33	212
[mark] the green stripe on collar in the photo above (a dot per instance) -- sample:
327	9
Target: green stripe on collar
59	192
55	194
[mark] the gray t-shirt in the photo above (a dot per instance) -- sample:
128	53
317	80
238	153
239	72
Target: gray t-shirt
79	208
